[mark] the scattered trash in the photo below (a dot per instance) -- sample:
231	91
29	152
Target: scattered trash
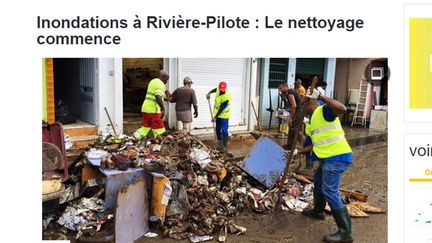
150	235
82	216
46	222
68	142
195	238
95	156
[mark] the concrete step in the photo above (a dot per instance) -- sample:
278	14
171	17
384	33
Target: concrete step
82	142
369	139
80	131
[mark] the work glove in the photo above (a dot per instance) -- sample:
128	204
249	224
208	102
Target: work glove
195	114
208	96
295	152
312	94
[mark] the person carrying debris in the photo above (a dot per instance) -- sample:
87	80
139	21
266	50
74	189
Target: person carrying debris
184	97
221	113
153	109
293	101
335	156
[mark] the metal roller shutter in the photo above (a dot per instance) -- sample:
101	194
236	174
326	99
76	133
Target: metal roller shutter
206	74
310	66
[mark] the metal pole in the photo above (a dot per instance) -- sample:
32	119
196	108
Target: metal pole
109	118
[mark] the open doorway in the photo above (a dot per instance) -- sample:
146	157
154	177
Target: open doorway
307	68
137	73
75	89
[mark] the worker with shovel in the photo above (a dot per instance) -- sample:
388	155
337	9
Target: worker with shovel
221	114
153	109
335	156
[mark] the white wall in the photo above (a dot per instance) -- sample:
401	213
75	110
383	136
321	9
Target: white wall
329	76
291	70
110	93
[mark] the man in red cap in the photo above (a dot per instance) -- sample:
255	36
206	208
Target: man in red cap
221	113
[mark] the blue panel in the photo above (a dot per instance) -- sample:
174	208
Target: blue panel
265	162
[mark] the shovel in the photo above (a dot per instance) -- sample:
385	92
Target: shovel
211	114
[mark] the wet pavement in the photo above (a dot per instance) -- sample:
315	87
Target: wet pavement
240	144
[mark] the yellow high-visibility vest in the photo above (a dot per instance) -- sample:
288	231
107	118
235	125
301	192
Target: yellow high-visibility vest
308	129
221	98
155	87
328	138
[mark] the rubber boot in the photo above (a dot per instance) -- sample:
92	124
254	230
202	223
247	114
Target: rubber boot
343	222
219	145
318	210
225	144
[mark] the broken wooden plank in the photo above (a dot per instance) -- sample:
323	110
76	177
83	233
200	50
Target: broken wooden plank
302	179
356	212
357	196
367	208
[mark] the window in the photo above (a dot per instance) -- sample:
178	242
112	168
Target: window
278	73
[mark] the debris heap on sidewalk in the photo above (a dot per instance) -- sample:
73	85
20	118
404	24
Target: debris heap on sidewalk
201	191
84	216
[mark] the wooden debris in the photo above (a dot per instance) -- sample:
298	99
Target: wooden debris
302	179
357	196
355	212
367	208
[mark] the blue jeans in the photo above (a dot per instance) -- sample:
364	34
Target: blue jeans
327	180
221	128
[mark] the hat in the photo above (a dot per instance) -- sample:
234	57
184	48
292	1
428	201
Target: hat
187	80
222	86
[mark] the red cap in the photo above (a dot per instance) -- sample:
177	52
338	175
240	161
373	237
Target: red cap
222	86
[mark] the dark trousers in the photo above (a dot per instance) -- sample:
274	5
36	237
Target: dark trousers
221	128
297	123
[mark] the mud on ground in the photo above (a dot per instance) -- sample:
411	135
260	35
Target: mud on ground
368	174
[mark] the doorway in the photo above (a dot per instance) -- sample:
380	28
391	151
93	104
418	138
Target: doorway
74	90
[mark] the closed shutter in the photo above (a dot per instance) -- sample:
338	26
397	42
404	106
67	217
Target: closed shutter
206	74
310	66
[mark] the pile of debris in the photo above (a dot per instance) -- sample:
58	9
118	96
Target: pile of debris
196	191
201	191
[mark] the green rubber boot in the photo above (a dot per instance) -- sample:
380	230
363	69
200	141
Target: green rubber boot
225	144
219	145
318	210
343	221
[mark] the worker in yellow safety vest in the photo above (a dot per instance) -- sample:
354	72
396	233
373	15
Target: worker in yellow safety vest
221	114
335	156
153	109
